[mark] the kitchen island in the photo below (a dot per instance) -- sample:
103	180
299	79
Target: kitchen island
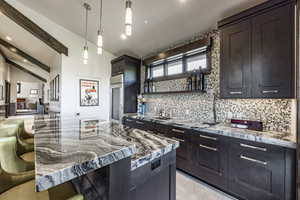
103	160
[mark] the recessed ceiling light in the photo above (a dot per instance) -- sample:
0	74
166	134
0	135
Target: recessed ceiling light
146	22
25	60
123	36
8	38
13	49
182	1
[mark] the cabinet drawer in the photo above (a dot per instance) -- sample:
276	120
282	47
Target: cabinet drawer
202	138
256	170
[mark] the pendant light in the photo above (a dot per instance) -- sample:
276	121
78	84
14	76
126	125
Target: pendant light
100	32
128	18
87	8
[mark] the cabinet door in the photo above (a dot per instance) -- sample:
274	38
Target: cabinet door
272	54
235	71
182	152
256	171
209	158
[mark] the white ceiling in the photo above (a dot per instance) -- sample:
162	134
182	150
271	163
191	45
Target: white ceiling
24	41
169	21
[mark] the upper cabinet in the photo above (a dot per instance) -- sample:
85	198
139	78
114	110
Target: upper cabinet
257	52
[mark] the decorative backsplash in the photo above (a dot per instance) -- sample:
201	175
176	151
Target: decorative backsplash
276	114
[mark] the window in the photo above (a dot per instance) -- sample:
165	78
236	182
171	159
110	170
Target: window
196	62
157	71
175	68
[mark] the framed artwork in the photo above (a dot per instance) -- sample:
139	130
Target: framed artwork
88	128
89	92
54	89
34	91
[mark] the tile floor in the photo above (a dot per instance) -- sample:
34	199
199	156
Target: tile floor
189	188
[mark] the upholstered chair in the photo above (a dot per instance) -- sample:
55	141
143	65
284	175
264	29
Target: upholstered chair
25	136
21	187
13	130
9	160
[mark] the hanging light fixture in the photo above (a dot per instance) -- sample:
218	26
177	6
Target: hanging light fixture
87	8
128	18
100	32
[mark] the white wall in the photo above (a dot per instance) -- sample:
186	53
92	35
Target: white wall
72	67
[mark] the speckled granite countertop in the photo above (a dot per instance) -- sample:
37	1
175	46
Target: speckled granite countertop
275	138
70	147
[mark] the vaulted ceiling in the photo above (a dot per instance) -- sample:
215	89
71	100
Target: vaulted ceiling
157	23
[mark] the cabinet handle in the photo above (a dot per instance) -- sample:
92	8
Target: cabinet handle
177	131
209	148
253	147
253	160
139	122
270	91
129	120
177	139
207	137
239	92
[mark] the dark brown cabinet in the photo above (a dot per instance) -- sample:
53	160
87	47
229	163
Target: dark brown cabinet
209	158
256	171
235	74
257	52
272	54
248	170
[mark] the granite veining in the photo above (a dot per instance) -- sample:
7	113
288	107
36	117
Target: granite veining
267	137
67	148
276	114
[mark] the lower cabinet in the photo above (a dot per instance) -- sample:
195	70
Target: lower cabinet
209	158
259	171
245	169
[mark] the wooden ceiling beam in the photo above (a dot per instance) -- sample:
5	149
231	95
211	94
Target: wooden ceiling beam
31	27
24	55
25	70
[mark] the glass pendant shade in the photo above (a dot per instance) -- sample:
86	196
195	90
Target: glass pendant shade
99	50
85	61
128	30
99	39
85	53
128	16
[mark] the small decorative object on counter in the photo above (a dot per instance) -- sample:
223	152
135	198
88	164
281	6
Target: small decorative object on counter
247	124
189	84
146	86
141	105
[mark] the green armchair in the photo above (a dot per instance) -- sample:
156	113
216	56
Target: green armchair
13	130
21	187
9	160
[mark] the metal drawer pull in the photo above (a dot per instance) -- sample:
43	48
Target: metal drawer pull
253	147
269	91
139	122
253	160
177	131
235	92
129	120
207	137
177	139
209	148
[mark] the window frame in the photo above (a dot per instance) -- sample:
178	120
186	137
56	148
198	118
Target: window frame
184	73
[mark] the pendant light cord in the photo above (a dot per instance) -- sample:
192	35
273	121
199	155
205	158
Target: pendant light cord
86	25
100	19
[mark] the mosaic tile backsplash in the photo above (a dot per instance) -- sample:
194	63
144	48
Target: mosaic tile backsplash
276	114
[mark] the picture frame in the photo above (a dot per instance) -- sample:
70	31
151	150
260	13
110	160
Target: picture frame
89	92
18	88
54	89
88	129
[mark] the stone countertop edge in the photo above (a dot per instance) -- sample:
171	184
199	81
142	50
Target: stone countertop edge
79	169
234	132
153	155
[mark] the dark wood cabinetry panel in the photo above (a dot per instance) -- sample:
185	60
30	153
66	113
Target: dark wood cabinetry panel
256	171
257	52
272	53
209	158
235	73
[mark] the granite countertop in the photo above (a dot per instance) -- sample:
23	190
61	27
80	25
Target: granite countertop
268	137
70	147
